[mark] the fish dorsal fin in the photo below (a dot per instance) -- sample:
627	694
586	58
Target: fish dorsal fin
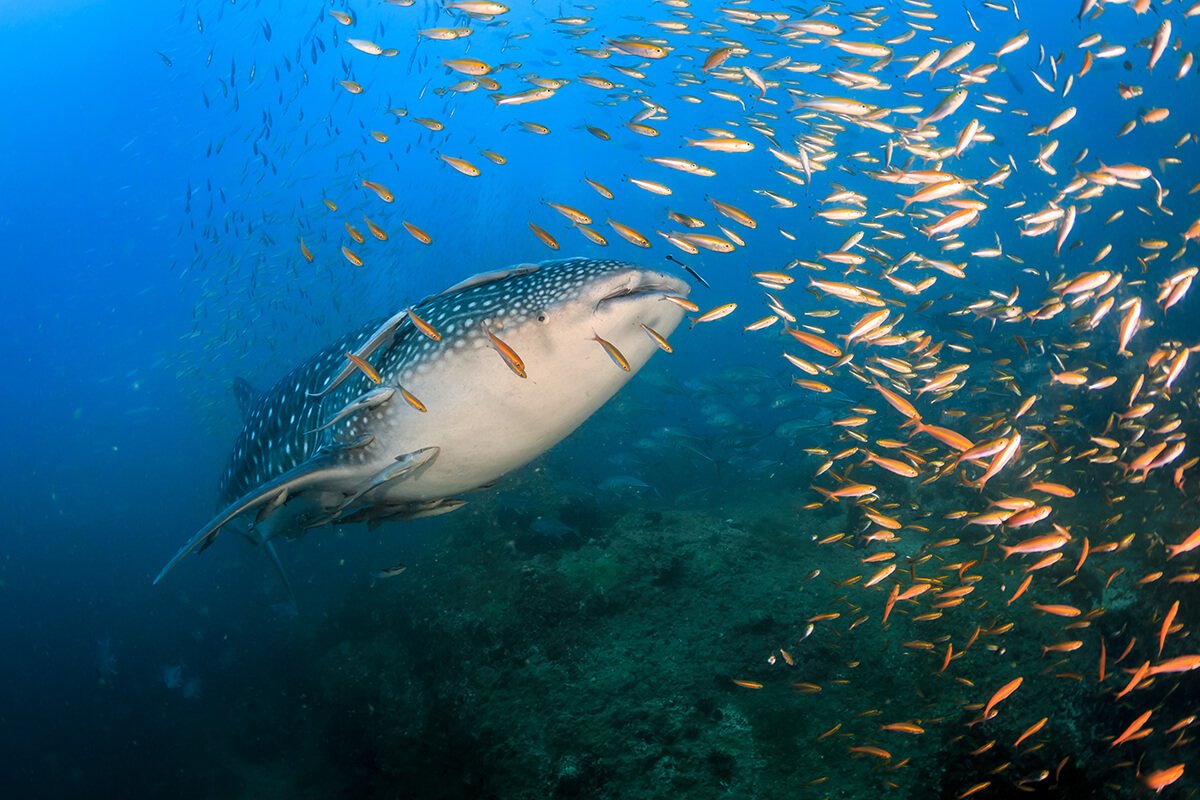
246	395
485	277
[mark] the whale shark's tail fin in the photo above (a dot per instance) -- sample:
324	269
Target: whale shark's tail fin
274	556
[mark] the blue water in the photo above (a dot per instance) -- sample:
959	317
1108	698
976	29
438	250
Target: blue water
133	304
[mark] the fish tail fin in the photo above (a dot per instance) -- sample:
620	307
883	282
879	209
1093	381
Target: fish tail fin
274	557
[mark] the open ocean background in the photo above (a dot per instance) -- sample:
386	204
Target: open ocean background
151	216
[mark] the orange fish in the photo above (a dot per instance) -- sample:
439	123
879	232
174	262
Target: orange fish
366	368
1030	731
1038	544
418	234
1166	626
868	750
544	236
1135	680
1058	611
509	355
1177	664
891	465
378	188
1163	778
1001	694
897	402
853	490
822	346
1056	489
613	352
423	326
1131	730
1187	545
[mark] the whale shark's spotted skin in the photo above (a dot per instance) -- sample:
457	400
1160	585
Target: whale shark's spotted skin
325	443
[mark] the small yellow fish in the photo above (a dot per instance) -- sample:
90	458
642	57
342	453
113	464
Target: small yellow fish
629	234
366	368
716	313
613	352
463	166
641	130
467	66
478	8
376	231
722	145
521	98
599	187
542	234
735	214
378	188
423	326
658	338
716	58
352	257
411	399
592	235
509	355
365	46
573	214
653	187
641	49
441	34
304	250
418	234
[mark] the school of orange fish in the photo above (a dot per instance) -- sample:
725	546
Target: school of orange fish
1069	496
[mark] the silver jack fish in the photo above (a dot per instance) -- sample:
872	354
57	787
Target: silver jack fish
442	398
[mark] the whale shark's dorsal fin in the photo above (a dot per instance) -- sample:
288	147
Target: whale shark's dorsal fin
485	277
246	395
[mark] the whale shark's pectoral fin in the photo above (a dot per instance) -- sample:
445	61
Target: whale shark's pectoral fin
404	466
273	493
382	337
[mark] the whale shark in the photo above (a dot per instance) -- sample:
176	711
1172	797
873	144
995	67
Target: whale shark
400	418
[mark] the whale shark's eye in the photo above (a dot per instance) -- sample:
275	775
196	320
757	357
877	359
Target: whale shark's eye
543	318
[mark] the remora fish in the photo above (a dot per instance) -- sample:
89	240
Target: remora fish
325	444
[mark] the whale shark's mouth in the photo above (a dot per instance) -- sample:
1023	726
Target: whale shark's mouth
647	283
